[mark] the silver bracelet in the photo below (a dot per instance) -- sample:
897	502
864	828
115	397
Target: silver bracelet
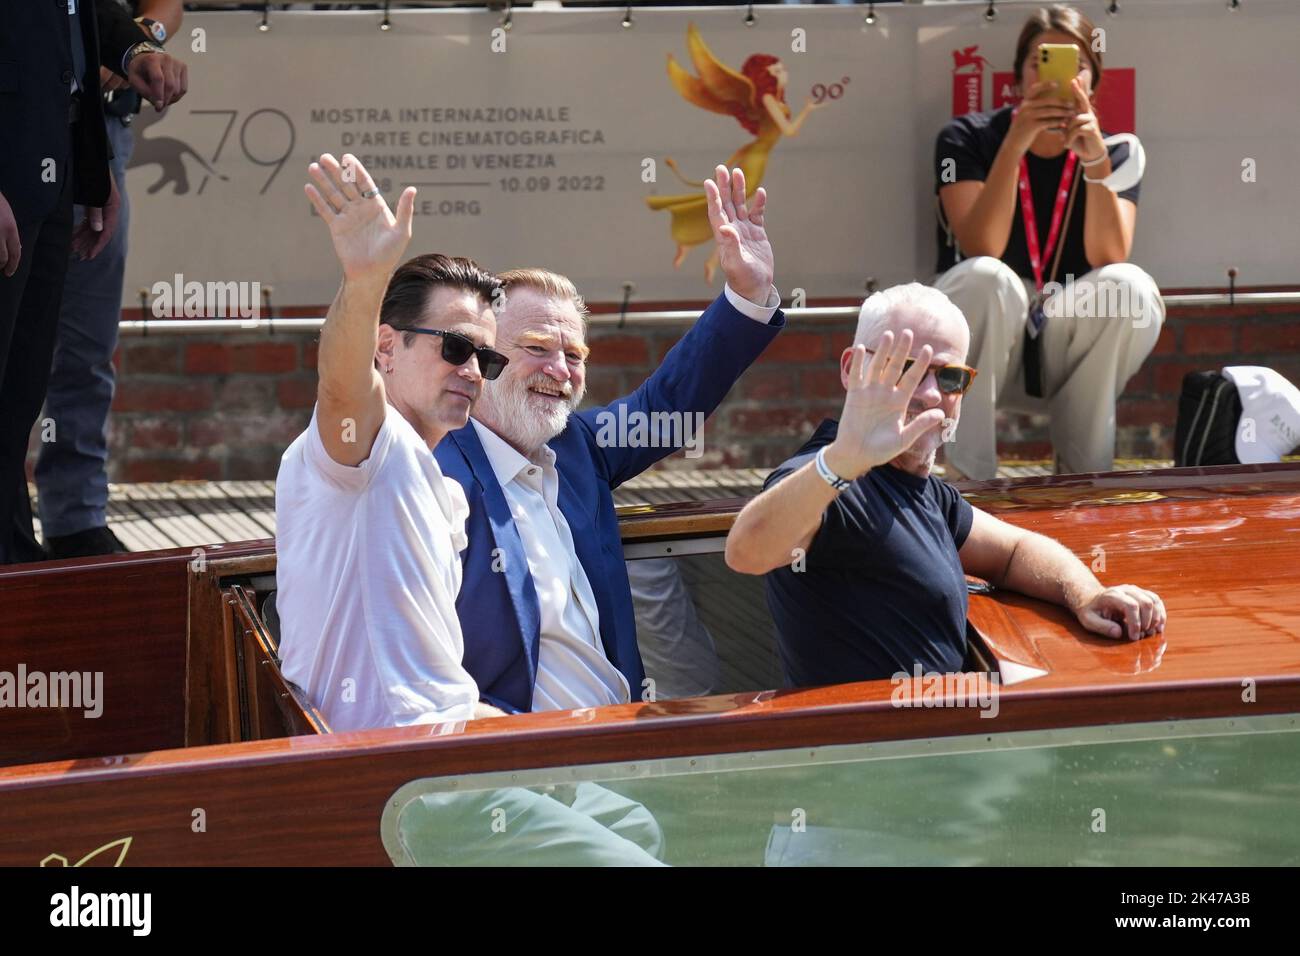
1105	154
828	476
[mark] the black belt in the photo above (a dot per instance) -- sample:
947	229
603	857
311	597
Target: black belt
74	108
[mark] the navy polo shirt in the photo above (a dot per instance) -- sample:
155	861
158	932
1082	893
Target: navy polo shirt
882	587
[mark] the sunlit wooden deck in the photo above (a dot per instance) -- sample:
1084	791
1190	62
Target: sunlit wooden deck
186	514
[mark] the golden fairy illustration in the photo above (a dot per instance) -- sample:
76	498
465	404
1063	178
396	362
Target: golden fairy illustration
755	97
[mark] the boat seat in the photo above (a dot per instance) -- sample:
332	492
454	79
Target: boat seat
272	705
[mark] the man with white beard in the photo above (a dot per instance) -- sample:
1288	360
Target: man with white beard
545	607
866	553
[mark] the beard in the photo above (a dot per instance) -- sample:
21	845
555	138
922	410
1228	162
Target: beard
922	453
521	416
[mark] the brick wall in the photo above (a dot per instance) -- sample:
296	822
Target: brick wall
209	406
226	406
1192	339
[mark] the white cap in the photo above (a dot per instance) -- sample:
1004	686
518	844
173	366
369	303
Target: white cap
1270	414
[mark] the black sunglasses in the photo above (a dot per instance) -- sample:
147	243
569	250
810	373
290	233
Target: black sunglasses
458	349
951	379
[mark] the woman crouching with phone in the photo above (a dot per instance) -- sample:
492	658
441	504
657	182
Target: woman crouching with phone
1036	218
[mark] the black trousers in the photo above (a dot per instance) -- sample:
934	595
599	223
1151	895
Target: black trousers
29	321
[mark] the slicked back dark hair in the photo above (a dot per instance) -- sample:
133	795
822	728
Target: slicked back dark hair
417	279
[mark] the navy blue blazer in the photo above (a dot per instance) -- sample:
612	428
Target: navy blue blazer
35	89
498	609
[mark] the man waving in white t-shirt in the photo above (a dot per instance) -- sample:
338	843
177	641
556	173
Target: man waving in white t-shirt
369	533
369	529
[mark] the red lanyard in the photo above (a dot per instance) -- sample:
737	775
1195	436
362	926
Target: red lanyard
1031	224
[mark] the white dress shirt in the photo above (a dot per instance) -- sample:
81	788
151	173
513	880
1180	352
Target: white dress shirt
759	313
572	669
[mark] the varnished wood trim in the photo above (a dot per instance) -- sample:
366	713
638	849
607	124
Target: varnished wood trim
1000	633
125	621
766	720
259	561
211	689
265	682
650	526
318	800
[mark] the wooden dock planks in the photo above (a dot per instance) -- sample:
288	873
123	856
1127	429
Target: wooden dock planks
186	514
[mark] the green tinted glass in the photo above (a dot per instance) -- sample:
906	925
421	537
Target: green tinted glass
1206	793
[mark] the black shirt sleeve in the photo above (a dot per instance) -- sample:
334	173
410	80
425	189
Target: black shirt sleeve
785	470
957	510
117	34
959	148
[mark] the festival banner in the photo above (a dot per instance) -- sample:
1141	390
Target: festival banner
572	142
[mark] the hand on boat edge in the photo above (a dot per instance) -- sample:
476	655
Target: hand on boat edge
1123	612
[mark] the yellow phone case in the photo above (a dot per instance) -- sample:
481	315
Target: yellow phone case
1059	62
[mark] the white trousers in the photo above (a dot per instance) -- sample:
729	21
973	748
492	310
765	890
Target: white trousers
1099	330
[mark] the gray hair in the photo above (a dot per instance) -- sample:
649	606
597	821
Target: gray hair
912	296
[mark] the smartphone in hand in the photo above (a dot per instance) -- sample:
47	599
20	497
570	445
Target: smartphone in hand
1059	62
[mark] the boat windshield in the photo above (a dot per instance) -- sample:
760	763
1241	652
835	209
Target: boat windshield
1205	793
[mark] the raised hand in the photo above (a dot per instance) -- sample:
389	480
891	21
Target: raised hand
368	239
1083	133
1039	111
743	249
873	427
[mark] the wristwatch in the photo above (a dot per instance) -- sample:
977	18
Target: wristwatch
139	49
156	30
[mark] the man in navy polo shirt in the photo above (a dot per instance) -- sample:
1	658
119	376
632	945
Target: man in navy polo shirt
866	551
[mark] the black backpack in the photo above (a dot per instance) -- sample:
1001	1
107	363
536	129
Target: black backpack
1209	410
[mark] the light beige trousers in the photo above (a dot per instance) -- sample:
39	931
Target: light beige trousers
1099	330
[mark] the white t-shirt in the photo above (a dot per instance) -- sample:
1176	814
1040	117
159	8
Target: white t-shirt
368	570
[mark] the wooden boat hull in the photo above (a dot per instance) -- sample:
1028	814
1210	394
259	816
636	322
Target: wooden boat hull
1184	745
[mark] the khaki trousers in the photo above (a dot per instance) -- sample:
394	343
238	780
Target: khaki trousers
1100	328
